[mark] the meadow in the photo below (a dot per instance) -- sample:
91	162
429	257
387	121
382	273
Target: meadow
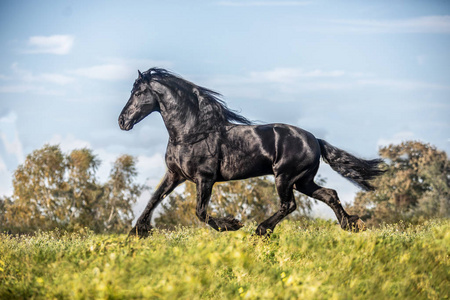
301	260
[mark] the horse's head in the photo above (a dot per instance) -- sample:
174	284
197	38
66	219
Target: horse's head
142	102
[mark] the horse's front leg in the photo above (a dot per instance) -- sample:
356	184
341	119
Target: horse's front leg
143	225
204	189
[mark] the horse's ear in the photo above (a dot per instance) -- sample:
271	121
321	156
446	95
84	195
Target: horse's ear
139	75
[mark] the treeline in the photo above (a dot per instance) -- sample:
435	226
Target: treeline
57	190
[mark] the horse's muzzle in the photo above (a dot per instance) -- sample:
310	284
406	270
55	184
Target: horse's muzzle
125	125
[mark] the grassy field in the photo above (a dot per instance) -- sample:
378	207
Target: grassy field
302	260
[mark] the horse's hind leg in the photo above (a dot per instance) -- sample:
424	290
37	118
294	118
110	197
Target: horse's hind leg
330	197
285	191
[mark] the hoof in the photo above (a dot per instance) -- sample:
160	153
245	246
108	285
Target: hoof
141	231
228	224
353	224
263	232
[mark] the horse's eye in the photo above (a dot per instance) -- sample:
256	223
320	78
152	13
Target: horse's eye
138	94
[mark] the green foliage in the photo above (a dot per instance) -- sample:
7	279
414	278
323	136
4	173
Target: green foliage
55	190
415	186
39	191
122	192
301	260
253	199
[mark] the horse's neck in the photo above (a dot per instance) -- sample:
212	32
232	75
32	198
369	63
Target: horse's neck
178	121
182	123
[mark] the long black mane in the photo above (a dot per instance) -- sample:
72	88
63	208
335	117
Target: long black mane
202	103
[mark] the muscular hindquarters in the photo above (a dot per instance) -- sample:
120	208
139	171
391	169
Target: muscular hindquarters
297	153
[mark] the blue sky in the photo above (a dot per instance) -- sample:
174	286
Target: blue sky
360	74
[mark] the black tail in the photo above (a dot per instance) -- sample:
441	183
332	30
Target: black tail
358	171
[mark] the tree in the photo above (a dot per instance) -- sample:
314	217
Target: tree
253	199
121	194
55	190
416	185
84	194
39	191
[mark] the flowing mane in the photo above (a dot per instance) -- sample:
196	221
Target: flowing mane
200	102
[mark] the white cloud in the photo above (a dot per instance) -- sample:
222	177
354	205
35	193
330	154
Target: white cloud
290	82
54	44
2	166
151	167
396	138
283	75
5	180
295	81
11	151
68	142
424	24
26	81
263	3
118	69
27	88
28	76
106	72
107	158
10	136
54	78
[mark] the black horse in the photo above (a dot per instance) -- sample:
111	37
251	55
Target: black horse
208	143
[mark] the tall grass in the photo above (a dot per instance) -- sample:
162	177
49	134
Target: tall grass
301	260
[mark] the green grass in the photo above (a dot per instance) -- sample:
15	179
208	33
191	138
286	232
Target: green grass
306	260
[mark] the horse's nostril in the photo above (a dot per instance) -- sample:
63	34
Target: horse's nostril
121	122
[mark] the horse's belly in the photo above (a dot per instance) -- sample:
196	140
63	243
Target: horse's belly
241	167
247	151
